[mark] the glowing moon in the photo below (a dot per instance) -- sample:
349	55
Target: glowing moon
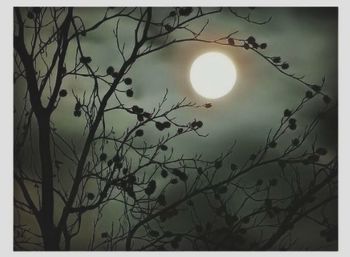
213	75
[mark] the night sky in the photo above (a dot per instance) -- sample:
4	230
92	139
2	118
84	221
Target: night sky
305	37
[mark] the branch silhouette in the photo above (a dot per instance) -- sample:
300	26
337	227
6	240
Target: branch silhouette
62	182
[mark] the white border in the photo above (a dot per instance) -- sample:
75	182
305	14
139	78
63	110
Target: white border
178	3
6	122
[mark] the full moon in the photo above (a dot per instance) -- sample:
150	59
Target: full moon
213	75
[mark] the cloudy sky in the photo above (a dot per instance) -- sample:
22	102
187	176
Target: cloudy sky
304	37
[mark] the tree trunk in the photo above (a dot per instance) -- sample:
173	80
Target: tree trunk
50	234
51	239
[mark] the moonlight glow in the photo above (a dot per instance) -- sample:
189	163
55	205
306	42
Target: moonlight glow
213	75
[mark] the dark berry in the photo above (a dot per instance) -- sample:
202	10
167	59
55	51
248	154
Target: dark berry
295	142
287	112
90	196
285	66
128	81
276	59
309	94
103	157
163	147
251	40
263	46
63	93
110	70
129	93
139	133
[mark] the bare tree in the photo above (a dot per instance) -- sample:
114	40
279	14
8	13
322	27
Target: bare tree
60	182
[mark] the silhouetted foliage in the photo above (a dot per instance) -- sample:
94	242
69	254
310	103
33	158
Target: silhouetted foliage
69	184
